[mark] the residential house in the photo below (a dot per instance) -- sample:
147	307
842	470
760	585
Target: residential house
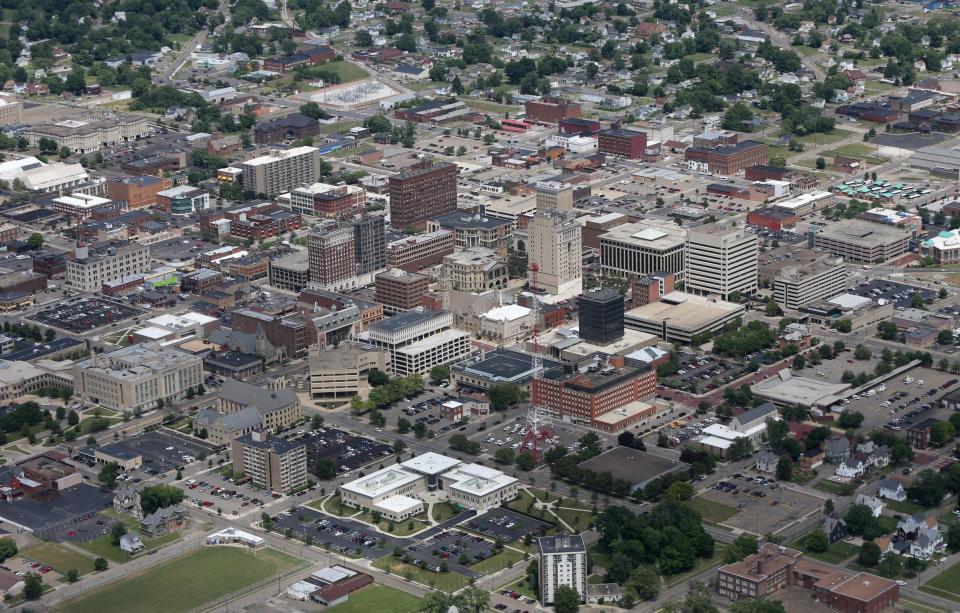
851	468
10	584
131	543
767	462
162	521
871	502
126	499
929	542
891	489
835	528
836	449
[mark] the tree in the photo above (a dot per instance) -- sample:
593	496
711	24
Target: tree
799	362
757	605
850	419
869	554
72	575
117	532
643	584
860	521
862	353
503	395
917	301
108	474
524	461
159	496
403	425
784	469
743	546
100	564
475	599
363	38
32	586
888	331
945	337
566	600
326	469
376	377
504	455
679	491
438	374
73	418
941	432
773	309
35	240
821	163
843	325
8	549
817	541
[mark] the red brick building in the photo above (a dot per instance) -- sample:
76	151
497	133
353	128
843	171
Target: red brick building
582	397
648	289
726	160
772	218
418	252
137	192
619	142
576	125
288	332
331	253
424	191
263	226
551	110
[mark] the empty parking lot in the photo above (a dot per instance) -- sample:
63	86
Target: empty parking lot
763	509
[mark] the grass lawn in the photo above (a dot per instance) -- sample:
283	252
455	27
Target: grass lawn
378	598
184	583
520	587
348	71
860	150
339	126
712	512
485	106
835	554
832	487
88	422
945	585
906	507
497	562
447	582
443	511
888	524
818	138
103	546
575	518
521	502
59	557
402	528
805	51
332	506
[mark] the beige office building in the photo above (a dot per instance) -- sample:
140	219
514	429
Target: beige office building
89	132
816	281
556	245
137	377
721	259
644	248
476	269
338	374
552	195
862	241
10	110
91	269
281	170
274	464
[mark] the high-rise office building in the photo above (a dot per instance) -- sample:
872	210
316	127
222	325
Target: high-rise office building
370	247
555	244
601	316
722	259
563	561
423	191
331	253
274	464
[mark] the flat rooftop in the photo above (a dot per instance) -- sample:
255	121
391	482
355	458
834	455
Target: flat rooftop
863	233
688	312
649	234
626	411
787	388
503	365
380	482
430	463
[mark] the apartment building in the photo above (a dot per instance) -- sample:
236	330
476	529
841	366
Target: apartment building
292	272
721	259
423	191
91	269
274	464
555	243
618	142
281	170
323	200
563	561
137	377
726	159
331	252
369	243
551	110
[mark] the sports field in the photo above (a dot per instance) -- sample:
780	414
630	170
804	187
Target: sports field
378	598
184	583
945	585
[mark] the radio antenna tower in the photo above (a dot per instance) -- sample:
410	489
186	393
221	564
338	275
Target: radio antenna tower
536	429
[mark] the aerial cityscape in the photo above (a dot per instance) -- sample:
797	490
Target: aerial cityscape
433	306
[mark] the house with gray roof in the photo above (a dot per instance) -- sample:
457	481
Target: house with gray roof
836	449
767	462
131	543
126	499
891	489
835	528
162	521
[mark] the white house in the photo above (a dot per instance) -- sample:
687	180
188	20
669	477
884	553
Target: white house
851	468
873	503
929	541
767	462
131	543
891	489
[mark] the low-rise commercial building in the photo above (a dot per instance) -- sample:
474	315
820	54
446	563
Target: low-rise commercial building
399	290
943	249
681	317
726	159
422	251
812	282
859	241
338	374
418	340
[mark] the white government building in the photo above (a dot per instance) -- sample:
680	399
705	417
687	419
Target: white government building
393	491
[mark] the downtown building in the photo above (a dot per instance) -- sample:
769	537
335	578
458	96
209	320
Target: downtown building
644	248
421	192
563	561
92	268
274	464
418	340
555	242
331	253
280	171
726	160
721	259
323	200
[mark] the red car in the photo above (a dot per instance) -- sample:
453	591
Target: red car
46	569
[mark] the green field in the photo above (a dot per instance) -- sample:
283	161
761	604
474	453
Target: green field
818	138
485	106
945	585
521	587
378	598
858	150
906	507
578	518
832	487
88	422
712	512
446	582
348	71
835	554
333	506
184	583
497	562
103	546
59	557
442	511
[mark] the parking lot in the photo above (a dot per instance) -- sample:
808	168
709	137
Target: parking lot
85	314
764	508
448	546
161	450
70	515
214	491
506	525
343	535
347	451
900	294
703	372
904	400
509	434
